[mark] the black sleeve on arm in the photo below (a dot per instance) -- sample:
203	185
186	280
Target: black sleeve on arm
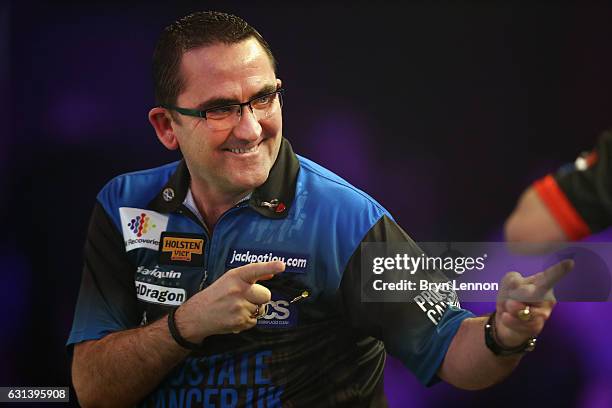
407	330
107	296
590	190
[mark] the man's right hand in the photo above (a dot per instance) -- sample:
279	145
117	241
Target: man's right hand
229	304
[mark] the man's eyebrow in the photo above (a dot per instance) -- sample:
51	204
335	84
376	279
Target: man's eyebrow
220	101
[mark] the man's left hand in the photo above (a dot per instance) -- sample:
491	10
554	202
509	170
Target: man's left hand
533	297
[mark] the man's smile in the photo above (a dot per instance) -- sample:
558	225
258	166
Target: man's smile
243	151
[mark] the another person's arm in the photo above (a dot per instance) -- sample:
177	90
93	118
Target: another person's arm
571	204
532	221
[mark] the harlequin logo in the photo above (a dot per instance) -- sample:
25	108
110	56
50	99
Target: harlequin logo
140	224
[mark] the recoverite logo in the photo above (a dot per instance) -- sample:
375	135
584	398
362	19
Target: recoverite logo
140	224
141	228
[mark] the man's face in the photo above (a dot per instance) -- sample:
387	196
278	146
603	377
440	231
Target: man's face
233	73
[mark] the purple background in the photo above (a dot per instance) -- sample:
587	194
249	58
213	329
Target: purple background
443	113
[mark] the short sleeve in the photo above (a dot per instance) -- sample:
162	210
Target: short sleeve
107	295
408	332
579	195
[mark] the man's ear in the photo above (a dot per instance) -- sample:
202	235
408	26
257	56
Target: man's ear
279	83
162	123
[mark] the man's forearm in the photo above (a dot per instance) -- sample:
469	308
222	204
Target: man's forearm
123	367
532	222
469	364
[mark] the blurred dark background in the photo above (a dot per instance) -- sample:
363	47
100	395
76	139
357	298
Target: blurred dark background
443	112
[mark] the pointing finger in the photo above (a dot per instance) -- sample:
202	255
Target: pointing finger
251	273
509	283
527	292
548	278
512	280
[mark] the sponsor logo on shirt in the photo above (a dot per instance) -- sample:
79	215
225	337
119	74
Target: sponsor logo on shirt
185	249
141	228
181	248
236	379
157	273
435	302
280	314
160	295
294	263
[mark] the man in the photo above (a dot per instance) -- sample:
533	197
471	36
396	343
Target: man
572	204
232	278
569	205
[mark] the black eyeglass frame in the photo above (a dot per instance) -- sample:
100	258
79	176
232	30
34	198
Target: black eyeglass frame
202	113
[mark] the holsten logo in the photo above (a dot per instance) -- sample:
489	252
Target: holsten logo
181	248
160	295
141	228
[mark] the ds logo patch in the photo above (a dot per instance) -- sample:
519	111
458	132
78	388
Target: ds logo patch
280	314
141	228
182	249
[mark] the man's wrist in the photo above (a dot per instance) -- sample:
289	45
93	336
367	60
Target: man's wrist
176	333
497	347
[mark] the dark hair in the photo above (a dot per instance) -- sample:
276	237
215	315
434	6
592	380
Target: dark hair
193	31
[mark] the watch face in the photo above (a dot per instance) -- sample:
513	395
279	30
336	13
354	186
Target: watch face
531	344
497	349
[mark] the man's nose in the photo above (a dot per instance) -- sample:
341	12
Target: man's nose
248	127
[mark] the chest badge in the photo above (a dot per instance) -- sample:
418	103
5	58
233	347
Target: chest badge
182	249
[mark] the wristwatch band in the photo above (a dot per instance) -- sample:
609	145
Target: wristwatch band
177	336
499	350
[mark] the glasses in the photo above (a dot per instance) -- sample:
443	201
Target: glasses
227	116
